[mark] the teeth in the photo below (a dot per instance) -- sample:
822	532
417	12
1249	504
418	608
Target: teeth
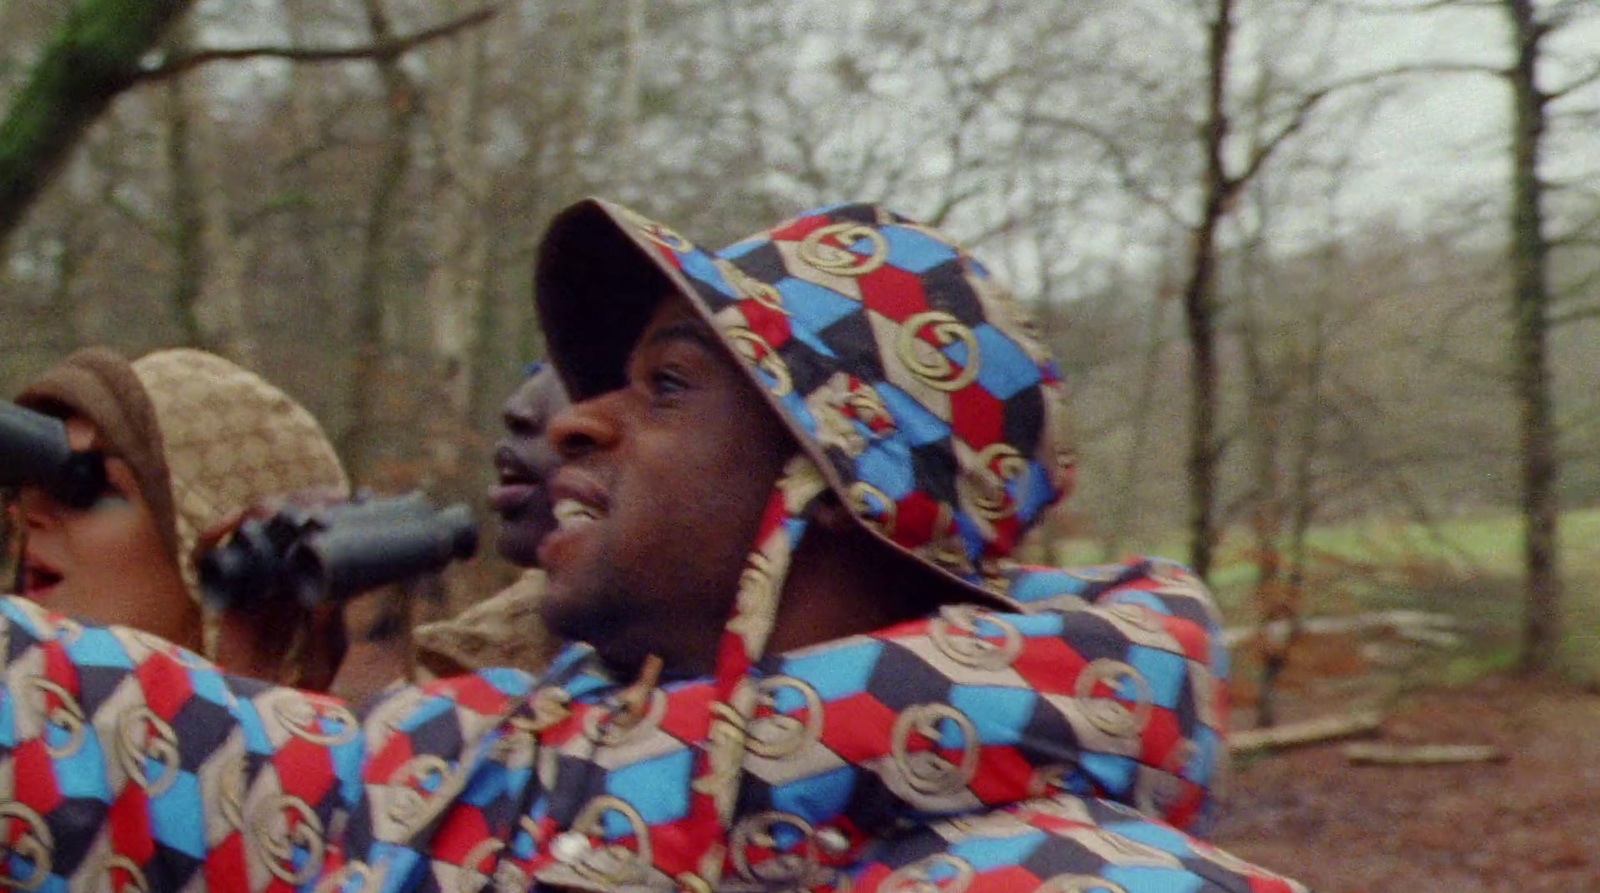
571	511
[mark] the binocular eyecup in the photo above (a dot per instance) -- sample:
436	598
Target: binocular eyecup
34	450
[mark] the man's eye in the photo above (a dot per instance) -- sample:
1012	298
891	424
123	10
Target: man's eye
665	382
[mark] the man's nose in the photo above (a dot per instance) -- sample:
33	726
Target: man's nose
584	427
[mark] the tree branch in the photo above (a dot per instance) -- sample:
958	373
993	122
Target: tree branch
1114	152
384	49
1428	6
93	56
1577	314
1578	83
1308	103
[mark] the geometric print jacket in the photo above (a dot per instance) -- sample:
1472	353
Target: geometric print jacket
1064	750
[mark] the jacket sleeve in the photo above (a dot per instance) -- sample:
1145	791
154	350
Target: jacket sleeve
128	763
1144	642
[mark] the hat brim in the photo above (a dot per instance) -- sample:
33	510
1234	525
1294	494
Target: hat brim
597	280
595	286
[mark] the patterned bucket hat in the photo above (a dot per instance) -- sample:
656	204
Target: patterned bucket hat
907	373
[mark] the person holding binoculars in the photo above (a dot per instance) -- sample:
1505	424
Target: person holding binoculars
188	443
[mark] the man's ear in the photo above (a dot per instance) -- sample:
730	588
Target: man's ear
830	513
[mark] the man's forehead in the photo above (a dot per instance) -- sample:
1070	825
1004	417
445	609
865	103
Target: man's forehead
675	319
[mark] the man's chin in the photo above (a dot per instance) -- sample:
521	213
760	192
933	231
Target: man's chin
573	620
571	615
519	543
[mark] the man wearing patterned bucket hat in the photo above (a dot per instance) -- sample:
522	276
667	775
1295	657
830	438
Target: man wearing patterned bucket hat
793	474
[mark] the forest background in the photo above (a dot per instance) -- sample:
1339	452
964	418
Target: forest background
1324	274
1307	263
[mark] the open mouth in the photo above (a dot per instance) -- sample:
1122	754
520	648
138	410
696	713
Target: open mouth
578	503
517	484
513	469
571	513
38	580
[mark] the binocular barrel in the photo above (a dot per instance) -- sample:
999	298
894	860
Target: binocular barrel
34	450
317	555
339	562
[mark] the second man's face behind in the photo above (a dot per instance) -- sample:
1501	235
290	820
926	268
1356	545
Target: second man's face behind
524	460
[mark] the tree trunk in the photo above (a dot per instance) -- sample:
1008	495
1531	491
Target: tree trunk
361	436
94	55
1530	301
457	284
1199	303
1307	441
629	106
188	248
1126	506
210	258
1274	603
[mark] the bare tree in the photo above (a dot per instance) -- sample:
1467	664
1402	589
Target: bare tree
455	294
209	283
94	55
1530	309
1273	115
401	105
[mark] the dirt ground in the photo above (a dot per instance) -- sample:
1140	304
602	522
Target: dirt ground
1528	823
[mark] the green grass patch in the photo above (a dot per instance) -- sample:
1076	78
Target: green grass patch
1469	567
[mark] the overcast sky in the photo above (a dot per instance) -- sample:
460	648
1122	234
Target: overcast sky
1446	138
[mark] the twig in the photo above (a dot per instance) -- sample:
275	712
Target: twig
1378	754
1311	731
384	49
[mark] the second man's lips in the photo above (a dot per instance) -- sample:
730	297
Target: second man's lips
511	499
513	469
518	483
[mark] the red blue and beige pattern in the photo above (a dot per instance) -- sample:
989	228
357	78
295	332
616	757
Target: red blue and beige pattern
906	371
976	750
1056	734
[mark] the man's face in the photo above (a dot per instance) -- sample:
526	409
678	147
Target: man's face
523	461
659	498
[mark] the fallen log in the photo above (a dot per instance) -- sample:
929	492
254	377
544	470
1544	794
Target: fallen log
1310	731
1370	753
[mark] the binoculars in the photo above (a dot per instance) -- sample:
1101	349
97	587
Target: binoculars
312	555
319	555
34	450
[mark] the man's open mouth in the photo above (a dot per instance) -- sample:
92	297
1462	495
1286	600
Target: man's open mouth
577	500
571	513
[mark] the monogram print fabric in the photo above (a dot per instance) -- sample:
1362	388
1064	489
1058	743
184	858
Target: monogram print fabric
973	751
1056	737
908	375
906	371
231	440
